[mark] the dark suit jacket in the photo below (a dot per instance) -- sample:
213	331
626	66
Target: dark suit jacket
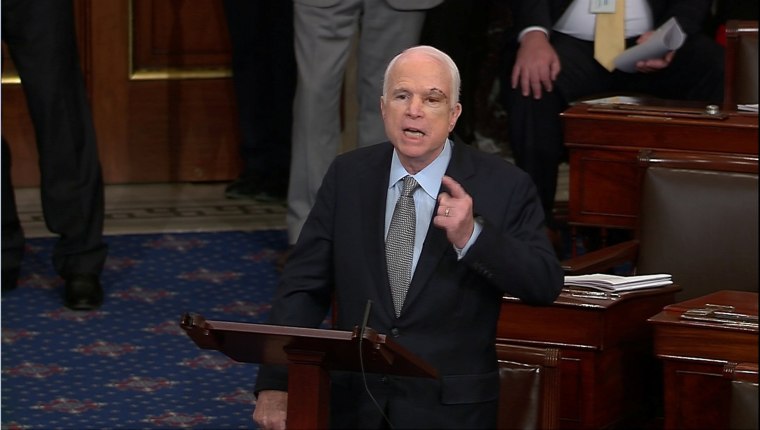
449	317
691	14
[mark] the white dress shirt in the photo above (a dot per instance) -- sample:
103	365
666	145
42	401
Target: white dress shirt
579	22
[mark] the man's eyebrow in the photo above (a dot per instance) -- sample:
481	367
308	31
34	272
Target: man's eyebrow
434	90
438	91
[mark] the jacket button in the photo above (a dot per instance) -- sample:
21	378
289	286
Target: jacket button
394	332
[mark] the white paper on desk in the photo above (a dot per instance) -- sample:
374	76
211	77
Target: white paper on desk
668	37
607	282
614	100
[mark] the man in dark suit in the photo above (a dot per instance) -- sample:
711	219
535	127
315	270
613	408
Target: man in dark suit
263	68
479	234
552	64
40	36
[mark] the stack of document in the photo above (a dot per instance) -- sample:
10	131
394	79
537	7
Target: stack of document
615	283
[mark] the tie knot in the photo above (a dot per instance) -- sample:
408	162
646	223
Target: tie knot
410	184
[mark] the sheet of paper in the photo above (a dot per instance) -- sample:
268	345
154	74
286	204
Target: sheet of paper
668	37
614	100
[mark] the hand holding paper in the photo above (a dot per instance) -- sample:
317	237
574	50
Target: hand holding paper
668	37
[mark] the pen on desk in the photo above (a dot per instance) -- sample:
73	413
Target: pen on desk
591	294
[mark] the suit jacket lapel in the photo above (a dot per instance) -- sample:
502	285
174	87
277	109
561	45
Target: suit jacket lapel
374	183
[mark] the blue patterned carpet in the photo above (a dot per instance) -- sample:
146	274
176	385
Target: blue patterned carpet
129	365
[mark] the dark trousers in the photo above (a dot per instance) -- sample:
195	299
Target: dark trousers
264	75
460	28
40	36
535	128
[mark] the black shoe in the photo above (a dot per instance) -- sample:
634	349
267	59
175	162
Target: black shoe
242	188
264	196
83	292
253	189
10	279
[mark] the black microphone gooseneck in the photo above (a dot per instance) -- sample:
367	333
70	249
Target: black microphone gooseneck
367	309
362	330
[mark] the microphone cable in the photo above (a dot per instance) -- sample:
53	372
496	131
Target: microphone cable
361	364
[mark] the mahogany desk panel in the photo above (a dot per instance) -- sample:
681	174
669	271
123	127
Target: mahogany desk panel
604	146
697	355
608	372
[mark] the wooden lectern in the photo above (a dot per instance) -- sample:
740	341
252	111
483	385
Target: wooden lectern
309	353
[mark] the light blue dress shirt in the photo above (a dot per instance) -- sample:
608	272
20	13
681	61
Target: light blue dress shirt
425	198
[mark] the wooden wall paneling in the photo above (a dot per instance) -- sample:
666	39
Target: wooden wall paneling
110	57
180	37
165	96
161	93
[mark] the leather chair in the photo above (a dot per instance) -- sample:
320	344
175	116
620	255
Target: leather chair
741	64
744	395
529	393
698	221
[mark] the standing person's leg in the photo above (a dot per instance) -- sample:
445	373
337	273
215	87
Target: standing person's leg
42	43
385	32
322	42
13	233
279	94
460	28
535	136
535	126
263	67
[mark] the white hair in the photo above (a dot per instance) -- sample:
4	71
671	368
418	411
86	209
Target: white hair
436	54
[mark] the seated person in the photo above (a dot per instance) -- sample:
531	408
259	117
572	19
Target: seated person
552	64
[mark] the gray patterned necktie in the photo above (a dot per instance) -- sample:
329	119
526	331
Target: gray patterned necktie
399	246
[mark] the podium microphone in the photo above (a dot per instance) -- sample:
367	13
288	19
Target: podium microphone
362	330
365	319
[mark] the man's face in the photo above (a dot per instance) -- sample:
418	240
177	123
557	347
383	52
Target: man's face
417	109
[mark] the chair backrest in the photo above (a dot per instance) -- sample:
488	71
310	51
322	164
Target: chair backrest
744	395
740	64
699	222
530	386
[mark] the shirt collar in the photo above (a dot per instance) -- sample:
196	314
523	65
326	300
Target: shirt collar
430	177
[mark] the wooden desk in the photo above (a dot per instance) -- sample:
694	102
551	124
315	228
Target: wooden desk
608	372
697	354
604	146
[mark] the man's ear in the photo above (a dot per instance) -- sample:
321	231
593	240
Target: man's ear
456	112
